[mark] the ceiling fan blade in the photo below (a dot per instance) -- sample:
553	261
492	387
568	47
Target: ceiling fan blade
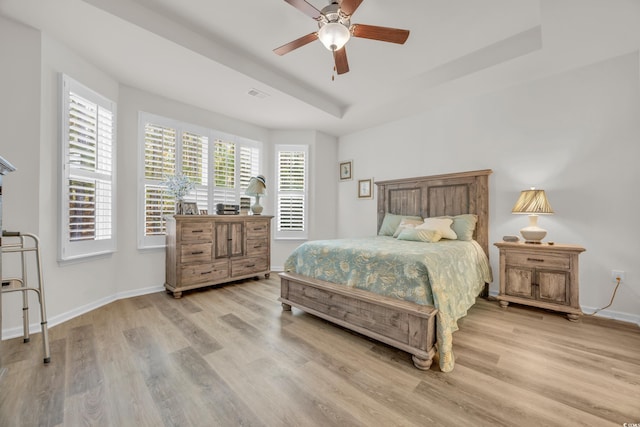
349	6
305	8
391	35
286	48
340	58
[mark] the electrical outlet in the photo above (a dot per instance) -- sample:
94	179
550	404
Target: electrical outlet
615	274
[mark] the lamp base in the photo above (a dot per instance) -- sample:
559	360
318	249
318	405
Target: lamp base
532	233
256	209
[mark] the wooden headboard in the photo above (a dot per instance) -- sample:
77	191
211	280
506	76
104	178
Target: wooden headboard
437	195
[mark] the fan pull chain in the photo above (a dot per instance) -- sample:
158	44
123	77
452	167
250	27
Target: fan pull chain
333	75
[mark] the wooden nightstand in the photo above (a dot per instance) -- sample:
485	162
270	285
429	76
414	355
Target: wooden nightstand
540	275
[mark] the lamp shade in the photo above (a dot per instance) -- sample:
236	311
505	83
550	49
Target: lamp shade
257	186
533	202
334	35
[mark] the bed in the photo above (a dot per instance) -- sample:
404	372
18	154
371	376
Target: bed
419	313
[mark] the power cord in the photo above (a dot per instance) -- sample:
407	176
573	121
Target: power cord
618	280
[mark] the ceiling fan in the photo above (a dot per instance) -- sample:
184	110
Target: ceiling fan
335	29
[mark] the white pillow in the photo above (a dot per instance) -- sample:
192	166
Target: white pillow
420	235
443	225
407	223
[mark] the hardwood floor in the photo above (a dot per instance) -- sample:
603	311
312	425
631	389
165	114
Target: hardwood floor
229	356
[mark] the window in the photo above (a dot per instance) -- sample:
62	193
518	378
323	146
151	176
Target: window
87	217
291	179
219	165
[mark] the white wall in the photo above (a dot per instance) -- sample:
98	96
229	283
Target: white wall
19	121
323	177
70	288
140	270
30	122
575	135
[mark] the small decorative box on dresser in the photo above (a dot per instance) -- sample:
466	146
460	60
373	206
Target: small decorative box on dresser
204	250
540	275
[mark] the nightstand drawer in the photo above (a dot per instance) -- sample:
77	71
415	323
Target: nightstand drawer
538	259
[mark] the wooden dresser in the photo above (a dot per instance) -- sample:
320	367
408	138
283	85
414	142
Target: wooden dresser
540	275
204	250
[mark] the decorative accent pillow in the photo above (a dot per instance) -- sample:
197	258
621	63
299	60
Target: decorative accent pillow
420	235
443	225
391	222
464	225
407	223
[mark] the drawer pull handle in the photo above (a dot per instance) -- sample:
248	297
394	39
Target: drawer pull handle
251	265
535	259
197	252
257	246
206	272
197	231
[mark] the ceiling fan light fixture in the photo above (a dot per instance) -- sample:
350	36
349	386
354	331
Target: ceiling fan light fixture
334	35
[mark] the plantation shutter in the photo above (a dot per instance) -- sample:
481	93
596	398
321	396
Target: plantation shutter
249	161
195	166
291	198
88	182
160	156
219	165
224	159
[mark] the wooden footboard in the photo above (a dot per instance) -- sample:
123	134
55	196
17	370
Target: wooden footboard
407	326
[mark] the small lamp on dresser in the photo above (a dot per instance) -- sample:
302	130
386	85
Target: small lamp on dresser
257	187
532	202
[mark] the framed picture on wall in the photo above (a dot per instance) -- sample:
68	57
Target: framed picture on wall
346	170
365	190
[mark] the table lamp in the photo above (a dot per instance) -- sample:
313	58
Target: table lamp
257	187
533	202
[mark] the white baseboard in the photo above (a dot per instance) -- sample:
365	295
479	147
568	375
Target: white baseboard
63	317
609	314
616	315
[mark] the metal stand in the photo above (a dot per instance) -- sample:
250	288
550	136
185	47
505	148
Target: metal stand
20	284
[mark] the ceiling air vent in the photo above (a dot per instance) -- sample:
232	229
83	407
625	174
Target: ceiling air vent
257	93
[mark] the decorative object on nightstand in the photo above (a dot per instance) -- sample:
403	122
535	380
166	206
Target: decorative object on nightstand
257	187
533	202
544	276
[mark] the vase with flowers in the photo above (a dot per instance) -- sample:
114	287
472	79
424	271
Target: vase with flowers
178	186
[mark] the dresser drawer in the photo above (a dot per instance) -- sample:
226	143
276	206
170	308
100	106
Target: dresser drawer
245	266
197	231
257	247
201	273
195	252
257	229
535	259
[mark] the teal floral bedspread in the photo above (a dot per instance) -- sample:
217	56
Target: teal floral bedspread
448	274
